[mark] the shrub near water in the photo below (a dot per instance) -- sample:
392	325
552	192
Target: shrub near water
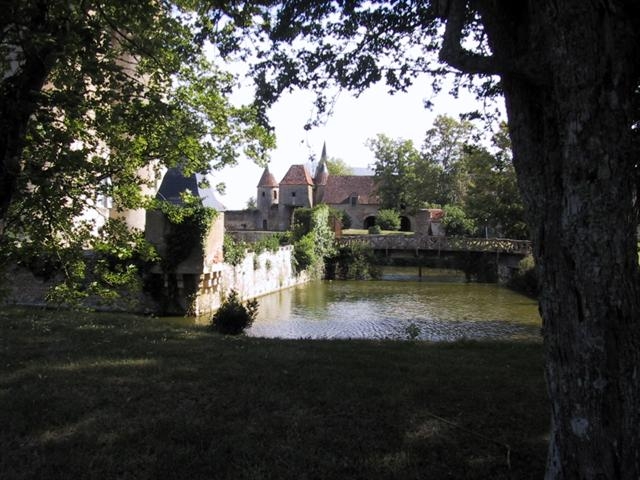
232	318
526	279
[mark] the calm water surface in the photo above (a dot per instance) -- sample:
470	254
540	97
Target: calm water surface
439	307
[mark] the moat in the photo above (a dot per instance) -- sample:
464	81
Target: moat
439	307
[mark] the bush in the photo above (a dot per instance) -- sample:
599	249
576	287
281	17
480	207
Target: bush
355	261
375	230
526	279
304	252
340	215
345	219
456	222
313	239
388	219
233	252
232	318
269	243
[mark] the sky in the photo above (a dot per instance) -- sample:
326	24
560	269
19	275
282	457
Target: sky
353	122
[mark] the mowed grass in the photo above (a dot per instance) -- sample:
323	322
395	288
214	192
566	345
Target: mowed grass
101	396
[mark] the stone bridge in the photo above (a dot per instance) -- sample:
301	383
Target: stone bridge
476	256
416	243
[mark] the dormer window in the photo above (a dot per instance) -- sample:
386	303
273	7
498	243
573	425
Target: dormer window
353	199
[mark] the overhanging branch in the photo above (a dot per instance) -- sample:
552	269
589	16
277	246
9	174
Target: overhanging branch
452	52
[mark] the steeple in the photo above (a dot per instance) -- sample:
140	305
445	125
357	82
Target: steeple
322	170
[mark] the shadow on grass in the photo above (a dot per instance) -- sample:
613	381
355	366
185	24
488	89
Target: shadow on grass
107	396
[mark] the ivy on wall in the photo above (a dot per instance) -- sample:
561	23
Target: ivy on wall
188	229
312	239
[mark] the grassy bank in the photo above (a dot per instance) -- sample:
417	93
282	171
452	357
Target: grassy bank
108	396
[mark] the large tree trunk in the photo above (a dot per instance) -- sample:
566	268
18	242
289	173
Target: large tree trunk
17	102
572	147
38	42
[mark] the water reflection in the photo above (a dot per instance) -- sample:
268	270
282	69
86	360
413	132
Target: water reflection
428	309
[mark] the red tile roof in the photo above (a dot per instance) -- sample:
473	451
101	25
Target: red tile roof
267	179
297	175
436	214
340	188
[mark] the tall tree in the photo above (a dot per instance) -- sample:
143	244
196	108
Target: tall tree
492	197
569	73
444	147
93	96
338	167
394	170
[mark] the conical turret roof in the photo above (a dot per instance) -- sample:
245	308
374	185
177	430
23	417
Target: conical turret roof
267	179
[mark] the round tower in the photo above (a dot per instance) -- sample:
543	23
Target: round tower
268	193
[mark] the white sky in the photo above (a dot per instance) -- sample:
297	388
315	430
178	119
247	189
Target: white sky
354	120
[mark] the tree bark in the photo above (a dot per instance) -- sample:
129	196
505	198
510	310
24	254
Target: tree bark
572	144
38	40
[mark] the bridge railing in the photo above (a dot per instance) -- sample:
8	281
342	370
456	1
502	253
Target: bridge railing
447	244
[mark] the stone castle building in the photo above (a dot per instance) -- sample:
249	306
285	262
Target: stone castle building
355	195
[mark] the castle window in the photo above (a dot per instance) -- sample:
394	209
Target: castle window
275	195
353	199
263	194
293	194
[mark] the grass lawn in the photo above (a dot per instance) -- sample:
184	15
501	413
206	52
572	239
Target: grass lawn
101	396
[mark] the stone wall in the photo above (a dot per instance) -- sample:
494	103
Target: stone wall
242	219
181	293
257	275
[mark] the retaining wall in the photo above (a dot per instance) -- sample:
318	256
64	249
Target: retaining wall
256	275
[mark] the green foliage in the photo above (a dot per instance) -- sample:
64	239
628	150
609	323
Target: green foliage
233	252
233	317
105	94
304	252
110	271
451	169
339	216
313	238
355	261
388	219
395	172
189	230
338	167
345	219
270	243
412	331
526	279
493	199
456	222
375	230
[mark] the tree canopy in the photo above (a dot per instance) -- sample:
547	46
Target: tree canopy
338	167
95	99
453	169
